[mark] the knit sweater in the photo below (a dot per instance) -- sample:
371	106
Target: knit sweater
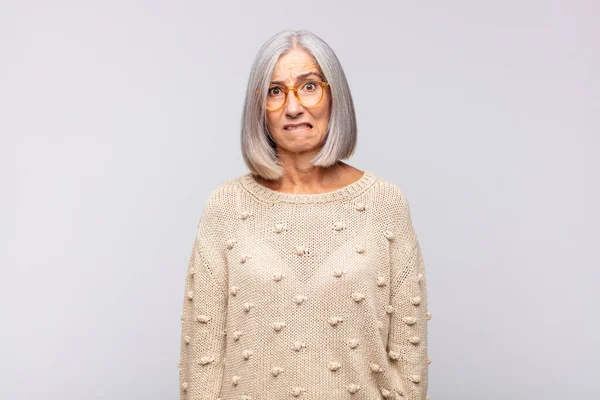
307	296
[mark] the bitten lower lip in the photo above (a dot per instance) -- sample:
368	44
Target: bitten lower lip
297	127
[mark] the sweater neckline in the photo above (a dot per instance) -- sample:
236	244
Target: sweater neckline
273	196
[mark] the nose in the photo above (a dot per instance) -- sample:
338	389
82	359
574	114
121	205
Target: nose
292	105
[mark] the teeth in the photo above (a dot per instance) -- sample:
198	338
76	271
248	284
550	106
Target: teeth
289	128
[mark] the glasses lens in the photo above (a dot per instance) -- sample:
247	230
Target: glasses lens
310	93
275	97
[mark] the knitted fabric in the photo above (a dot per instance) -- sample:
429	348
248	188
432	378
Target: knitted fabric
307	296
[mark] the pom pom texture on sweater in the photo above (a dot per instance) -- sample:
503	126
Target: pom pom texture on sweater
305	296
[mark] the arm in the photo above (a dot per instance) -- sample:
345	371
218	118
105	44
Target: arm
204	316
407	341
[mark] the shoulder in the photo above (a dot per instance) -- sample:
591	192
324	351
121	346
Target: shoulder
391	206
222	195
226	198
219	208
395	207
390	196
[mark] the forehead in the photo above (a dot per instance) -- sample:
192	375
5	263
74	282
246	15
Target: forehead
292	64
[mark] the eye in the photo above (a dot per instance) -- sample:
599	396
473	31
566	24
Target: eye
275	91
309	86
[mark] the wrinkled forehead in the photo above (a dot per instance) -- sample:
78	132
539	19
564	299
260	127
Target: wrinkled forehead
288	70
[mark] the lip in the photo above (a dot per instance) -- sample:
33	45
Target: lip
298	124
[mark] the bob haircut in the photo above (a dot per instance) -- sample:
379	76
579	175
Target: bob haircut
258	147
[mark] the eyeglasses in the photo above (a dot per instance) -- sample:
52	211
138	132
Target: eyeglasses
308	93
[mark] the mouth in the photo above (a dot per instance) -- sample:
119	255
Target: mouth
297	127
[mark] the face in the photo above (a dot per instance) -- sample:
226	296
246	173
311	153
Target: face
308	138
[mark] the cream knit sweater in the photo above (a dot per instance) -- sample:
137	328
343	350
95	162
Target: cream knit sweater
309	296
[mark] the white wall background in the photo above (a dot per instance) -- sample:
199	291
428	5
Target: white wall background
117	118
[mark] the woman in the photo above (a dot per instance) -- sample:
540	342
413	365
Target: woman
306	279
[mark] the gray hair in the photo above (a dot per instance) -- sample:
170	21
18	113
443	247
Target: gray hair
258	147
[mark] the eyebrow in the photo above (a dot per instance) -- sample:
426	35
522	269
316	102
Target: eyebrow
299	78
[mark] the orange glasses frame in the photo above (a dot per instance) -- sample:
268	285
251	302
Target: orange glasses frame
286	90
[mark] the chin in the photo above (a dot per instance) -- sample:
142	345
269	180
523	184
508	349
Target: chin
299	137
306	145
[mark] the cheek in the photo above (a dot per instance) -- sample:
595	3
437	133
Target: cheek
271	120
324	112
323	116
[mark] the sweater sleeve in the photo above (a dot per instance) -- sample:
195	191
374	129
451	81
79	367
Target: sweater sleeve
204	314
407	340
